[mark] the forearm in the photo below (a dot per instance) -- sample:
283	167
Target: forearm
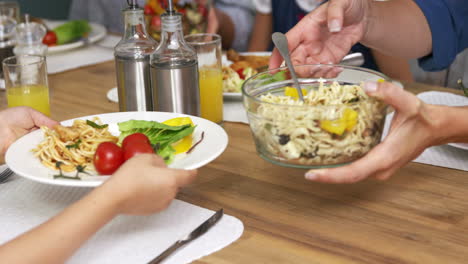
261	33
398	28
226	29
62	235
451	124
393	67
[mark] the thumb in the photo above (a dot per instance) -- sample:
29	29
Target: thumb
401	100
40	119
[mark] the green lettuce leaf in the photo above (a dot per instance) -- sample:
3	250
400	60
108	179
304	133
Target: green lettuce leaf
160	135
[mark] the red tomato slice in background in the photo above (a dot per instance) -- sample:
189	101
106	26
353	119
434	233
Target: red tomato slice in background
241	73
50	38
148	10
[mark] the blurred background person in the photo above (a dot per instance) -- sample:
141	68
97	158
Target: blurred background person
232	19
105	12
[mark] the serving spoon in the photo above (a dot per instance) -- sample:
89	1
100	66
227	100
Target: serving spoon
281	43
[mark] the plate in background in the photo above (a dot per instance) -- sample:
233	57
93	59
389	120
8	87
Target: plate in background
97	33
226	62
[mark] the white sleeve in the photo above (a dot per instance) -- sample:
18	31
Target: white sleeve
263	6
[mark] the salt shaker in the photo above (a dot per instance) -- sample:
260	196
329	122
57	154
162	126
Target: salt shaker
174	69
132	60
29	37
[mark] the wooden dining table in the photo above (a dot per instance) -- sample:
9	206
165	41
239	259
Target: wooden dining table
419	215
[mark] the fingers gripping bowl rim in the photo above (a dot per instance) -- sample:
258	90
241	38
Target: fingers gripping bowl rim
337	124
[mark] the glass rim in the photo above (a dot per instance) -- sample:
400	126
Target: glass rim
215	40
6	61
257	99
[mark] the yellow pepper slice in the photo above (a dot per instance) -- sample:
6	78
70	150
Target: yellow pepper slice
292	92
334	126
351	118
345	123
186	143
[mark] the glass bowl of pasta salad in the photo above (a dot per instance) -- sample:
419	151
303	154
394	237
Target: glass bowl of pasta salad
336	123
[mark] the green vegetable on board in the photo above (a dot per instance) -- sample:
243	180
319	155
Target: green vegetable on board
71	31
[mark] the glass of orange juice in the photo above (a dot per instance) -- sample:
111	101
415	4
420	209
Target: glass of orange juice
26	82
208	48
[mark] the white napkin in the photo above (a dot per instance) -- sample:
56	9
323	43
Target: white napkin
234	111
444	156
83	56
25	204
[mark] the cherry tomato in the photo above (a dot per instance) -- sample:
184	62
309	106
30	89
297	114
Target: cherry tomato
108	158
50	39
148	10
136	148
136	137
156	22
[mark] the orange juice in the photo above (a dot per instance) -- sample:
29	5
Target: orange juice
211	94
34	96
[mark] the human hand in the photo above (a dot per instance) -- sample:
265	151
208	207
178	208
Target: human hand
18	121
326	34
413	129
144	185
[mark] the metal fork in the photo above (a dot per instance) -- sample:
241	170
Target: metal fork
5	174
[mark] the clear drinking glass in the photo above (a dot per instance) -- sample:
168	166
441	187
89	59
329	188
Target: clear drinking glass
9	18
26	82
208	48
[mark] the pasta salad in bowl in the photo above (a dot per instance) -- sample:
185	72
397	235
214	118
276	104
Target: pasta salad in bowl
336	123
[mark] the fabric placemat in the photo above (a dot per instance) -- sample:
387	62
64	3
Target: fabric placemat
446	155
25	204
91	54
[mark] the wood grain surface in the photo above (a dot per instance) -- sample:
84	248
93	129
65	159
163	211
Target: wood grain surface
417	216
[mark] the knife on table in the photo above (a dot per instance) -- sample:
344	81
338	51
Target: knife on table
196	233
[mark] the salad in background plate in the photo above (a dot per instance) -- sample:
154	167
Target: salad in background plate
240	66
71	34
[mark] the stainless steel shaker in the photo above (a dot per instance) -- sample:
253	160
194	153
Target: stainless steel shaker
132	60
174	69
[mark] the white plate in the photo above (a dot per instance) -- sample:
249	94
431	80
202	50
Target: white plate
232	96
459	145
97	33
226	62
21	160
112	95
